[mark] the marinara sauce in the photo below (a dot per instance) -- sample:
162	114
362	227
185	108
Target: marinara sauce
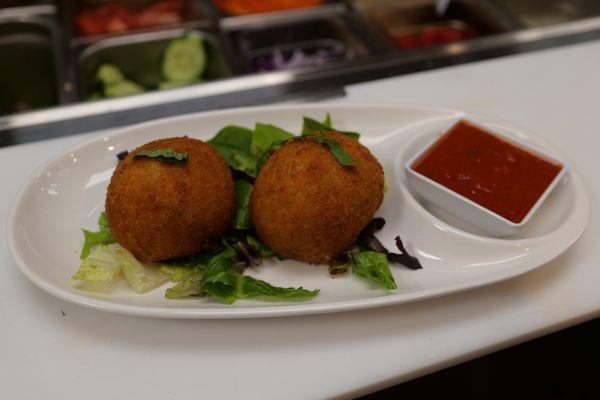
488	170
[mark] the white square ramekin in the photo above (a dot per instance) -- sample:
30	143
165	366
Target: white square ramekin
466	209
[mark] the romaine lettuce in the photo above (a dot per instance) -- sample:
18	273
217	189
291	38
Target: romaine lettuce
142	277
93	239
100	266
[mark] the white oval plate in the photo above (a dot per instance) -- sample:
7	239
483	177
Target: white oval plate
67	194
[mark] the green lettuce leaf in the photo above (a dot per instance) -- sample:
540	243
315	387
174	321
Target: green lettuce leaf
93	239
234	143
93	273
188	273
245	163
107	262
223	280
243	191
100	266
312	126
374	266
186	288
142	277
220	279
188	279
103	221
180	274
265	136
250	287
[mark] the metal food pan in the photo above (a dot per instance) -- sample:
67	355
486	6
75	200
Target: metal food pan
139	57
28	8
197	14
537	13
483	17
298	84
252	36
32	63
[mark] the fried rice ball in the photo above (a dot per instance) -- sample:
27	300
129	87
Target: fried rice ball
308	207
160	210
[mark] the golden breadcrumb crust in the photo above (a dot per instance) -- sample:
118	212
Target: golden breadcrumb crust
160	210
308	207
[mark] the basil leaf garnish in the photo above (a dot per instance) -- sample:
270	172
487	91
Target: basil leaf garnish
342	156
312	126
166	155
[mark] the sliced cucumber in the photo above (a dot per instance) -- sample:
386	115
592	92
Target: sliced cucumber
109	74
122	88
113	83
184	59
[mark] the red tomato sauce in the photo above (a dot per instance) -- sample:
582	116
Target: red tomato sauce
488	170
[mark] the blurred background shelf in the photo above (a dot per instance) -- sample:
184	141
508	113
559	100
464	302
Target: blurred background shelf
299	49
29	48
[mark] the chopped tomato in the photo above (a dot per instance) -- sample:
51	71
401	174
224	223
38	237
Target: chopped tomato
114	17
167	6
260	6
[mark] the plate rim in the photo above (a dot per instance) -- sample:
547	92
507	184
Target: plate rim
274	309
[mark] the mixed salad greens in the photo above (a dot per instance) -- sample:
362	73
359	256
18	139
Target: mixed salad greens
220	273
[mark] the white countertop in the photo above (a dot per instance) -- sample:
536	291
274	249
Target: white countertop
95	355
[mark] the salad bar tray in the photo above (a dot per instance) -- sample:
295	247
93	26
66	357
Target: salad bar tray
233	60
